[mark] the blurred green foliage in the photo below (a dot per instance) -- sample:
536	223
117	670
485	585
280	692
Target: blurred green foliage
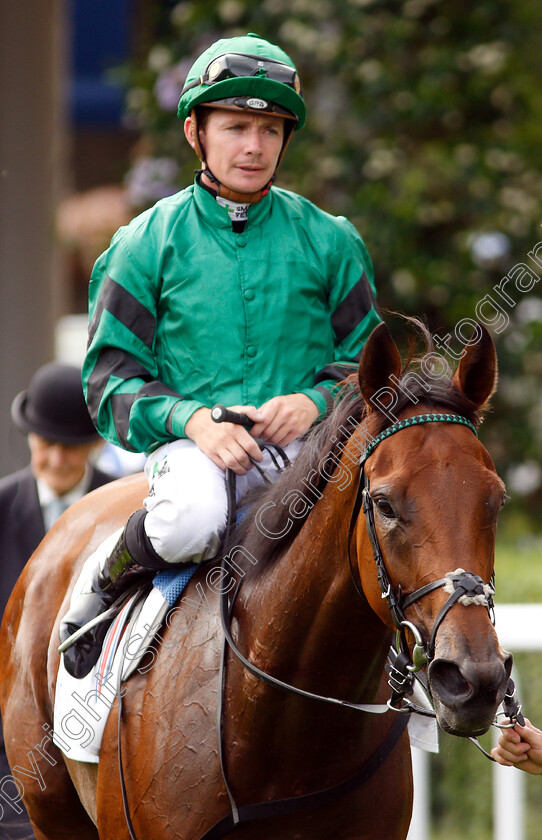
424	128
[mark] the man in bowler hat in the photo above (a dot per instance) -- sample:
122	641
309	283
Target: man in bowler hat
62	438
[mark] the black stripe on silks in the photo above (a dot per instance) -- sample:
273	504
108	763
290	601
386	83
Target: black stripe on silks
112	362
158	389
169	421
121	405
337	372
126	308
355	306
326	395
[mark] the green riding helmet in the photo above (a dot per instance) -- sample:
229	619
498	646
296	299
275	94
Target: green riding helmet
246	73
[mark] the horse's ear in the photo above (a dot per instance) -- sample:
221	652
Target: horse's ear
379	360
476	375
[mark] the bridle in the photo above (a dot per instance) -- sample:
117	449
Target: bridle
464	587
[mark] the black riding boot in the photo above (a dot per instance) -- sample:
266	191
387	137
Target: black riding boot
112	578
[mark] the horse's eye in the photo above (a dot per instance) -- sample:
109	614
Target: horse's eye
384	507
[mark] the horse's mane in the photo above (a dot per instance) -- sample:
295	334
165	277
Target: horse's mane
326	439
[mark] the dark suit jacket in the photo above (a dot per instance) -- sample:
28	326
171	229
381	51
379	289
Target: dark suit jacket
21	524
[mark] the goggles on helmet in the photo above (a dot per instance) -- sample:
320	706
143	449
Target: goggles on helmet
235	65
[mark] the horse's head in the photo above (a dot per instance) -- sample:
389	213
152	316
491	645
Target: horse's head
435	497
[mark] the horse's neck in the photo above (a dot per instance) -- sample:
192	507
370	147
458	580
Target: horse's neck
302	618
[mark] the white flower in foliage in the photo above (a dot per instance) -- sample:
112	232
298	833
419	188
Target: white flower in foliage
524	478
488	248
169	85
151	179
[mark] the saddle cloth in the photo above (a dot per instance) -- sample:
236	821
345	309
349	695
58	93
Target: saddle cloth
82	705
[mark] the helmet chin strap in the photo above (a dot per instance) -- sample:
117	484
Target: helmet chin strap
221	189
233	195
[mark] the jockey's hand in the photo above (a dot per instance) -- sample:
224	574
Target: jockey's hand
520	747
285	418
227	444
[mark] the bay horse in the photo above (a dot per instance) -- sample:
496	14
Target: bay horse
303	614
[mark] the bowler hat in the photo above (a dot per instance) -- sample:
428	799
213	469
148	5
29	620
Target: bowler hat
53	406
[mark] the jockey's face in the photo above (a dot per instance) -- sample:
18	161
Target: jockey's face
242	149
59	465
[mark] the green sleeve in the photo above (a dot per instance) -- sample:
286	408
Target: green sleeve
128	404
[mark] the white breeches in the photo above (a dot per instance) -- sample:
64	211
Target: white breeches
187	502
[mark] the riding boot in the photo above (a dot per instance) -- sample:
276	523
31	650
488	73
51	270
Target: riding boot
111	579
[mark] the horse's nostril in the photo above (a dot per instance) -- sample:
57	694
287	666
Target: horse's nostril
487	678
448	682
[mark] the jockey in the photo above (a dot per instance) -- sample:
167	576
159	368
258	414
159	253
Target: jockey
232	291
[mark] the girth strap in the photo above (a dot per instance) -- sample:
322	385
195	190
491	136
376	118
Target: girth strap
297	804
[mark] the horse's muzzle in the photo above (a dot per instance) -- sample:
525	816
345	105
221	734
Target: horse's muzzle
467	695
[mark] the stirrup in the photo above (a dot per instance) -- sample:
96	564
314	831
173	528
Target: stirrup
84	627
71	640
